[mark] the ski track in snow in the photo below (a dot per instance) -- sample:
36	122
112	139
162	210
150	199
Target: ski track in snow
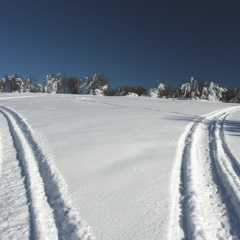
34	199
209	180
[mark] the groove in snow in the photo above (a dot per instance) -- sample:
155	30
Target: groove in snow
51	213
209	198
14	213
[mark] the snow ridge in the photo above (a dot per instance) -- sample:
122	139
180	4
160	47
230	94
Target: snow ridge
14	209
51	213
209	196
227	165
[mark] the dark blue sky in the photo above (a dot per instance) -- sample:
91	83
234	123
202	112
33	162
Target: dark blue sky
133	42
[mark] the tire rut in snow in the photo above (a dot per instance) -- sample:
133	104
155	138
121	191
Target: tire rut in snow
51	213
210	185
14	214
226	164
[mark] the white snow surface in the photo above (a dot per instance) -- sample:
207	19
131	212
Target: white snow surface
131	94
86	167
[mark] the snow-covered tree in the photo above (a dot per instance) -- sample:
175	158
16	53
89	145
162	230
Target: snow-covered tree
167	91
152	93
121	91
204	95
39	88
13	83
53	82
18	82
186	89
198	89
27	86
161	89
97	81
101	91
213	92
157	92
190	90
3	83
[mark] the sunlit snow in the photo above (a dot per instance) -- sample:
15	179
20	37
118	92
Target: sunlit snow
86	167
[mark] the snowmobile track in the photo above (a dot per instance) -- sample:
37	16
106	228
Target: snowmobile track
210	181
50	210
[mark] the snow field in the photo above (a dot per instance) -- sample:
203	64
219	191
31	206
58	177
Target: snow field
136	168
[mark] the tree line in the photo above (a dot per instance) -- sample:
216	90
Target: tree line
98	84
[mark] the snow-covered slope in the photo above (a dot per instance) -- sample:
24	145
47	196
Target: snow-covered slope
134	168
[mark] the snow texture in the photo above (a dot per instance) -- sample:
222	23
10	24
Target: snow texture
132	168
44	207
210	184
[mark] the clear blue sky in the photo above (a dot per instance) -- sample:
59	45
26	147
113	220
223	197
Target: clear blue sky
132	42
